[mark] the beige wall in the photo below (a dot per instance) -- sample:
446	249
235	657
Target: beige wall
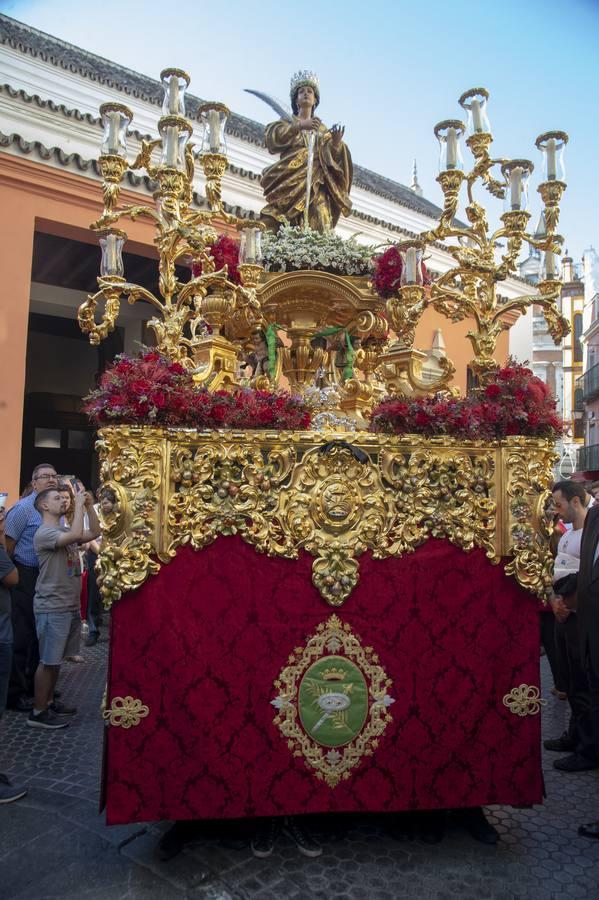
36	197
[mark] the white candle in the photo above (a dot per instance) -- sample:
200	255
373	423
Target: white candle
214	124
551	167
452	148
111	255
114	120
172	146
250	246
477	122
550	265
173	95
516	187
411	265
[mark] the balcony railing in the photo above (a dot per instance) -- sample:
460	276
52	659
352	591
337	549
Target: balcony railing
588	458
589	382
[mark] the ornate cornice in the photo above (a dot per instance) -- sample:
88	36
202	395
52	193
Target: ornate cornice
75	160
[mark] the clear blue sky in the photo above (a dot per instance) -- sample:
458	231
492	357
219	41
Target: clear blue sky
388	70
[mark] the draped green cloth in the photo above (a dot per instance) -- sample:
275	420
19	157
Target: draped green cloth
284	183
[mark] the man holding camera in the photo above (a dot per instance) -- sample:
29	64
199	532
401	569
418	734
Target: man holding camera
57	594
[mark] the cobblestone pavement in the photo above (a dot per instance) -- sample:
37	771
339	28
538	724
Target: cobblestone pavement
55	846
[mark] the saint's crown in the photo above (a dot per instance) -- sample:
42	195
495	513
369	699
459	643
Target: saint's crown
304	76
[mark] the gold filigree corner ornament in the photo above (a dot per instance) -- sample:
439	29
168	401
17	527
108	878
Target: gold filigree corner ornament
126	712
524	700
332	701
528	483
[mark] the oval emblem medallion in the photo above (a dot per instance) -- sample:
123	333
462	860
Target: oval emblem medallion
333	701
338	504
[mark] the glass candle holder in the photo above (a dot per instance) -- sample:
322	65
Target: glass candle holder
517	174
213	117
175	133
448	133
411	262
475	102
115	120
112	242
552	144
540	232
175	82
250	246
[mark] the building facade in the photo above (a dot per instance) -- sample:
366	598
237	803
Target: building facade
50	133
588	383
561	366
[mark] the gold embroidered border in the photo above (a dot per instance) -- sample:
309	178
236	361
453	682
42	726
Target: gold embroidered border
287	491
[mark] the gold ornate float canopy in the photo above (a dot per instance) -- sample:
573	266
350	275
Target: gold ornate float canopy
290	491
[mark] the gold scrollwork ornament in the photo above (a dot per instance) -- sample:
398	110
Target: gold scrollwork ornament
284	493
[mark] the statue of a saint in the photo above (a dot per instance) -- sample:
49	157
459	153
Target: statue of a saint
314	172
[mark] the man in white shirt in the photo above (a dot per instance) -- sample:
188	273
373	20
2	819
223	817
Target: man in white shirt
572	503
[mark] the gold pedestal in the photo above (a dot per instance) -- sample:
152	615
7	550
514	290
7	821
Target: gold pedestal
217	362
401	368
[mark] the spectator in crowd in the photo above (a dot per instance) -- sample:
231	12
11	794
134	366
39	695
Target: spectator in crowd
555	652
22	522
586	603
8	579
107	503
572	503
57	597
67	495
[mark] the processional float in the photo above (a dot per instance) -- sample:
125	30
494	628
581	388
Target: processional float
234	689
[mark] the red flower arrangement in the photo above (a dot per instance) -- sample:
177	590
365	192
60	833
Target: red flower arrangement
387	273
512	402
224	252
153	390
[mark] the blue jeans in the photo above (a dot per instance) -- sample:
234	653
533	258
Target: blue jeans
5	647
5	663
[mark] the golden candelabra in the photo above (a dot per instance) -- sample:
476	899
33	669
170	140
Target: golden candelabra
209	323
183	236
468	290
302	306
